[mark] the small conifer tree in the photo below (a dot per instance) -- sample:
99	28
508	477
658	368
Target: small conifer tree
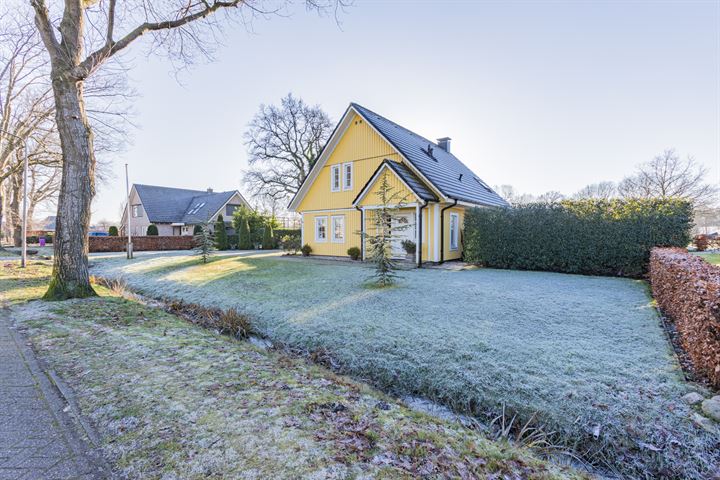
244	239
267	241
379	241
197	229
221	238
152	230
113	231
204	243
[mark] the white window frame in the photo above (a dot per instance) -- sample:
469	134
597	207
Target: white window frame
345	185
317	230
454	245
333	169
334	219
137	210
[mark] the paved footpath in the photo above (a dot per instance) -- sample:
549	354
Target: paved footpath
38	438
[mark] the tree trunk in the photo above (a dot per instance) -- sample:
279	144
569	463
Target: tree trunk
70	278
15	221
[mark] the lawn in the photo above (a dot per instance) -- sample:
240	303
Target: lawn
584	357
173	400
713	258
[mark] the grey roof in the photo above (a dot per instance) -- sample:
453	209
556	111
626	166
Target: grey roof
415	184
442	169
179	205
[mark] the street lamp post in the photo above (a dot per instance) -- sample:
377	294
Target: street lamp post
23	258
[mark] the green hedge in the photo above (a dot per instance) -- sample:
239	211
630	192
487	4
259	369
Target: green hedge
36	239
593	237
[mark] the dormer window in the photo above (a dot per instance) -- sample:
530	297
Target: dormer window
335	178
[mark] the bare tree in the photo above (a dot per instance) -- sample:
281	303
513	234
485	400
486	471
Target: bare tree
179	28
667	175
599	191
552	196
283	144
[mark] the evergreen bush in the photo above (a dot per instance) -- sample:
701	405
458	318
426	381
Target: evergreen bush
267	242
204	244
593	237
221	236
113	231
197	229
152	230
354	253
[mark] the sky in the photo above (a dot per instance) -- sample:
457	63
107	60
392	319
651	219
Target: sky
539	95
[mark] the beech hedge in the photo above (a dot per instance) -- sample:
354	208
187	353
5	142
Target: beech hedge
687	290
591	237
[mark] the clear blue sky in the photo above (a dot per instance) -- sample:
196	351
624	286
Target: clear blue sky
539	95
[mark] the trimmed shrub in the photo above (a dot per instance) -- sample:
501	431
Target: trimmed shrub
267	242
113	231
36	239
152	230
281	232
244	240
221	237
701	242
354	253
232	242
306	250
197	229
687	289
592	237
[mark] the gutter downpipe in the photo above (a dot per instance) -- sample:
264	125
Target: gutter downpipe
420	237
362	232
442	230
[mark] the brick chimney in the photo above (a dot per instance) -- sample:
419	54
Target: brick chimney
209	190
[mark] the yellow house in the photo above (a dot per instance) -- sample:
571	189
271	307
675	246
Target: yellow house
338	195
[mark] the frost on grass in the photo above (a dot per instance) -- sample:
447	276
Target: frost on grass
586	356
172	400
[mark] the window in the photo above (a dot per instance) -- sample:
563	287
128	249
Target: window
230	209
320	229
335	178
347	176
454	221
136	211
338	229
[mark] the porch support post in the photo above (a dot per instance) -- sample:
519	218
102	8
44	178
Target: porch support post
418	234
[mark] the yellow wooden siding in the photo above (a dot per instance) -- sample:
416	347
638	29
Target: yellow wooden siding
404	194
453	254
360	145
328	247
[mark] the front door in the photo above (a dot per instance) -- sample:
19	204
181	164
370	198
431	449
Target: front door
177	231
403	228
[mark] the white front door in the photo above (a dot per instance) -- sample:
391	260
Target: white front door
403	228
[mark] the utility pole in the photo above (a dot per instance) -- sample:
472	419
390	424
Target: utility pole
128	215
23	258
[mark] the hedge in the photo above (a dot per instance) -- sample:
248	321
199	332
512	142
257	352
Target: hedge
592	237
36	239
687	289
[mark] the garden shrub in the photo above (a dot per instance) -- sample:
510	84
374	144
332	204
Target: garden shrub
593	237
306	250
197	229
354	253
113	231
36	239
281	232
290	244
152	230
267	240
687	289
701	242
232	242
221	237
409	247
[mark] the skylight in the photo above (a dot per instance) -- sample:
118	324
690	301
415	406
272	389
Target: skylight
196	208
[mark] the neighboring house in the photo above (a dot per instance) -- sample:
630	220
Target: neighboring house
338	195
176	211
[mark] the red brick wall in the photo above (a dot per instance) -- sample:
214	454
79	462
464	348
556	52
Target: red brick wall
151	243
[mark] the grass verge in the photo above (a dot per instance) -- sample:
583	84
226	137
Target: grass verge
173	400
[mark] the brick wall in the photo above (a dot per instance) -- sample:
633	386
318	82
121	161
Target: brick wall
152	243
